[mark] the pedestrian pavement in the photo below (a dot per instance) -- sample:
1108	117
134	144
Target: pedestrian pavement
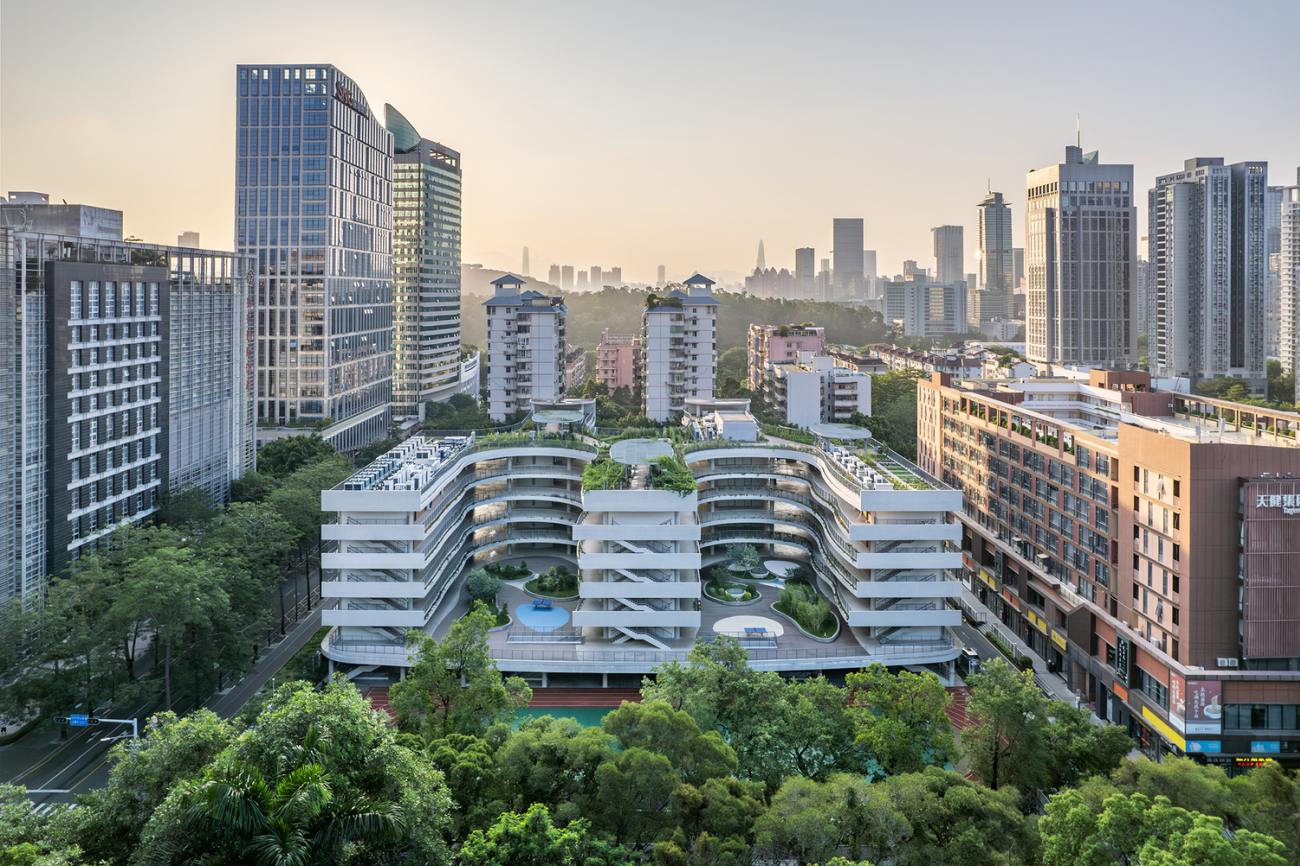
1052	684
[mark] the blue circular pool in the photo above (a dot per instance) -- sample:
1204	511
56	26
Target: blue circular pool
541	618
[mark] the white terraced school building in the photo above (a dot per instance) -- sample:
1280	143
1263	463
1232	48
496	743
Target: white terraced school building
876	536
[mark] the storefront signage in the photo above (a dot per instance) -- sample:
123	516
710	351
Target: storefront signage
1252	761
1288	502
1161	727
1038	621
1123	658
1120	692
1204	747
988	579
1059	640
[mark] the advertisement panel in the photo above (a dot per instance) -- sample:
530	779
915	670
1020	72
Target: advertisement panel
1270	598
1204	747
1204	707
1178	701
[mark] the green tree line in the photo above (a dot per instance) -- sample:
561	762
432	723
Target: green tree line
719	764
170	611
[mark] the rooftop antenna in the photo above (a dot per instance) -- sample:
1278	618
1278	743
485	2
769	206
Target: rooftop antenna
1078	132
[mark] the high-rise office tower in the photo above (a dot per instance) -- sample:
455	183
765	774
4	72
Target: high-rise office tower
997	265
526	271
1018	267
1289	281
762	259
1081	238
553	276
679	349
662	276
949	254
1209	261
615	276
805	272
824	287
566	277
125	374
1272	291
596	281
870	276
314	177
426	272
526	346
847	252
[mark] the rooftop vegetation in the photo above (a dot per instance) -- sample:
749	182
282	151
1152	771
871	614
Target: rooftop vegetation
604	474
670	473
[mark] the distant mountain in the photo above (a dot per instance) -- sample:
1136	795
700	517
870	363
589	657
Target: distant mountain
478	281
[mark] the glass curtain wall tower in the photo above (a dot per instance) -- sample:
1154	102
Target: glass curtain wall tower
426	270
313	205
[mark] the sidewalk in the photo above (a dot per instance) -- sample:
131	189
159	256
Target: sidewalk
1053	685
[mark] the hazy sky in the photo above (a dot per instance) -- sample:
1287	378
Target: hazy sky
658	132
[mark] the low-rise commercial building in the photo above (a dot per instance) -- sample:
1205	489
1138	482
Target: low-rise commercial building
1138	540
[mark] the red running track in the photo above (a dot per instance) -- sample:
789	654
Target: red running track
378	698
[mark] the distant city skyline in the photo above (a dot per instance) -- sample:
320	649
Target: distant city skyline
623	183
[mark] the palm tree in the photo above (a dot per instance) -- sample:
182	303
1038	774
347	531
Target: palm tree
299	821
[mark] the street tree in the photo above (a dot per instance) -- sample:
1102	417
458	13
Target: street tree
1009	716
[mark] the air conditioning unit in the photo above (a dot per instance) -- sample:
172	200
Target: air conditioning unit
1226	663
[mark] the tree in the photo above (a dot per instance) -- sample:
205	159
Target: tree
256	536
656	727
282	457
253	487
554	762
1009	715
1135	829
189	509
901	718
817	729
633	792
483	586
743	557
454	685
26	837
174	591
318	778
809	821
1078	747
950	820
719	689
468	765
531	839
108	824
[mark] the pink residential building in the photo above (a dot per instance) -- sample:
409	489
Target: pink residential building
616	360
780	344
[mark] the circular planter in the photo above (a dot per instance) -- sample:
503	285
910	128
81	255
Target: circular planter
806	634
524	588
509	622
729	602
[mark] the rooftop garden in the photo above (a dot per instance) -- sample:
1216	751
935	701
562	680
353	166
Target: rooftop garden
895	469
604	474
805	606
652	301
670	473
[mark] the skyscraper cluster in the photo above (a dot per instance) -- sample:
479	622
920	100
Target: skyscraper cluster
595	278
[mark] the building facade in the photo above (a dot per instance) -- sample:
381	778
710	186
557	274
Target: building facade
1209	270
815	389
805	272
991	300
848	269
950	254
130	377
314	177
427	362
526	346
679	348
779	344
1081	246
924	308
616	360
1121	533
407	528
1289	283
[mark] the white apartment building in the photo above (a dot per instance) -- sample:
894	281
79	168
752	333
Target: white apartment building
815	390
876	535
1209	264
679	336
1289	270
526	347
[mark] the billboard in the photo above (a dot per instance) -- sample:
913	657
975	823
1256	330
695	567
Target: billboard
1204	707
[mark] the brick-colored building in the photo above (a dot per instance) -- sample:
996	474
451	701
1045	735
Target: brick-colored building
616	360
779	344
1142	541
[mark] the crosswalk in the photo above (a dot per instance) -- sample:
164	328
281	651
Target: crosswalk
47	809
